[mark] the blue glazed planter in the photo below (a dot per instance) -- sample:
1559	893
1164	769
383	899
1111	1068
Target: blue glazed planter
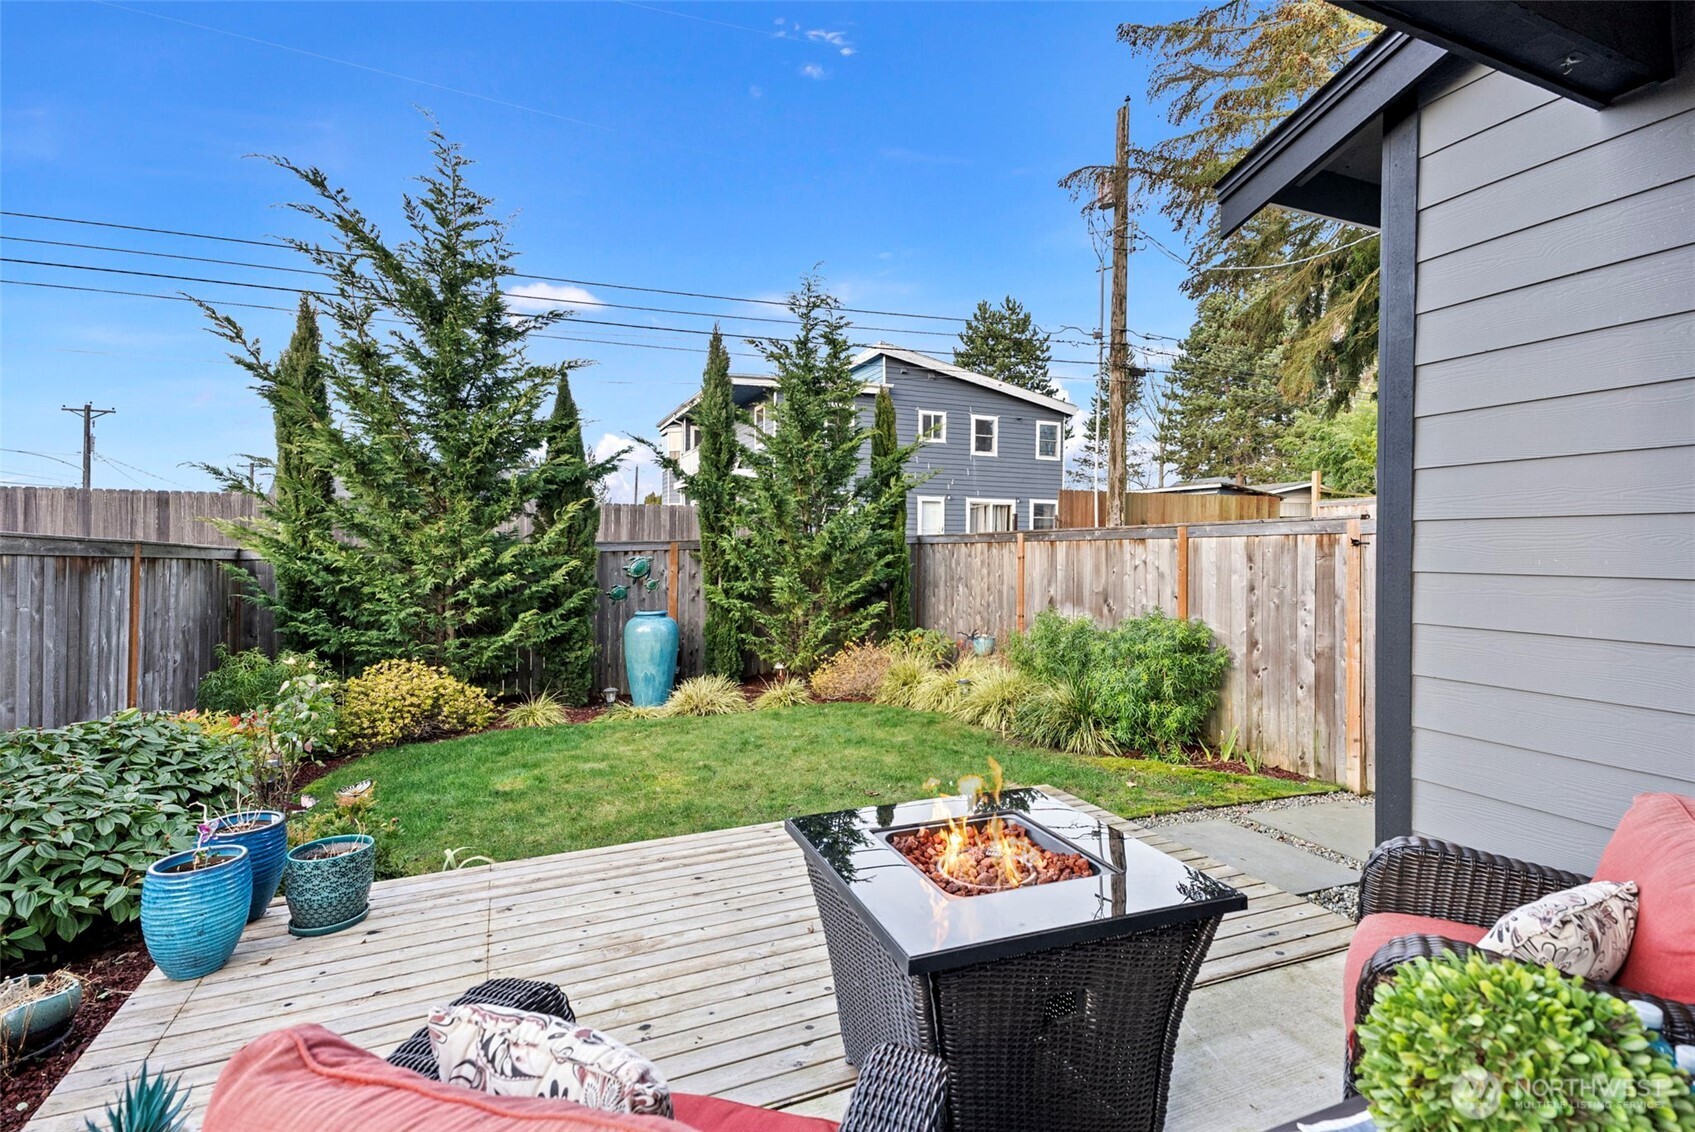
192	921
650	656
328	894
266	849
982	643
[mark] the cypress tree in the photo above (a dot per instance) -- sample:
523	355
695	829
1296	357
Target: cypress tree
712	488
302	488
887	477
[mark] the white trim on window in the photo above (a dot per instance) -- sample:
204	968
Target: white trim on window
941	502
994	436
1058	441
1054	503
971	504
941	436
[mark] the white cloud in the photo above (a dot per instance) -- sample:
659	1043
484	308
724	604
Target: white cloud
534	298
833	38
812	71
755	92
637	472
847	51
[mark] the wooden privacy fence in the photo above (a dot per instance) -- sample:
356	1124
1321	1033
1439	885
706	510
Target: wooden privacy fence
106	513
1078	509
89	626
1290	600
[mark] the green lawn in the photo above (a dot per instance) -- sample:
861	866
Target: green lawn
525	793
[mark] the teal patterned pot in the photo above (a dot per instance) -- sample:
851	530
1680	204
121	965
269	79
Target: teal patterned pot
328	894
267	846
191	921
36	1027
650	656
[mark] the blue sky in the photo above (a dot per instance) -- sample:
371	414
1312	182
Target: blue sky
910	151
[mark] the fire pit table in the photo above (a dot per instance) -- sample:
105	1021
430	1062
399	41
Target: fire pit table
1045	955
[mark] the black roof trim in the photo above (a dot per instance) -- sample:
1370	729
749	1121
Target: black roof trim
1384	71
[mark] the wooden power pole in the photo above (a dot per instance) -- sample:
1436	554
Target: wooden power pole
1118	348
88	413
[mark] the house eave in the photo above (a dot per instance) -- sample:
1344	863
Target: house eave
948	369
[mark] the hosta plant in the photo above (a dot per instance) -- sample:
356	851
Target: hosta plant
1472	1043
88	807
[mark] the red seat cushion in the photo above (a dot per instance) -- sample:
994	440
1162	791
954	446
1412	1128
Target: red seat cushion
307	1079
1655	847
1378	929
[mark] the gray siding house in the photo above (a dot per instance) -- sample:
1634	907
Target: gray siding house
992	455
1532	171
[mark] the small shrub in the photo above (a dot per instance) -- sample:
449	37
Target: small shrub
931	643
244	681
1159	679
355	816
1471	1043
1066	717
706	695
788	693
88	807
540	710
1055	648
939	691
852	674
994	697
405	701
902	678
295	729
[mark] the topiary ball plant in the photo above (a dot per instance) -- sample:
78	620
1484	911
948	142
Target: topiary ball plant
1472	1043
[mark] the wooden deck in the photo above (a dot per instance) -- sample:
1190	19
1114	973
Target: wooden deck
704	951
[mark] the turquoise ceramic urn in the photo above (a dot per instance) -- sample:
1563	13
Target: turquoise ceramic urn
650	656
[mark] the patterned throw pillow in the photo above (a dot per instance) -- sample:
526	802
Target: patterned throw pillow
512	1053
1584	931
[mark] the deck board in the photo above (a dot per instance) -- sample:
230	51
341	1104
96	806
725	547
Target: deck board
704	951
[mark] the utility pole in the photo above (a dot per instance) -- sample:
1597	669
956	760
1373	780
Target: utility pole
88	413
1118	348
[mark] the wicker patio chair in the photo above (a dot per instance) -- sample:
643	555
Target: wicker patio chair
1421	876
899	1089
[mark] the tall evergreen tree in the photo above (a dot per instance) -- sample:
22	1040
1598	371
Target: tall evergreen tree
302	487
439	410
1004	342
805	573
712	489
567	497
888	474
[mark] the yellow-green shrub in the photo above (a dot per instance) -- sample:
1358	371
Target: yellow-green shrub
707	695
404	701
994	697
902	678
852	674
788	693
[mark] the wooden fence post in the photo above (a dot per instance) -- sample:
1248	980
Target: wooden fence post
1317	490
671	580
133	684
1353	662
1182	573
1020	618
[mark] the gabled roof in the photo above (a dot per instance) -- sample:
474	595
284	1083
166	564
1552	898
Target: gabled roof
737	380
948	369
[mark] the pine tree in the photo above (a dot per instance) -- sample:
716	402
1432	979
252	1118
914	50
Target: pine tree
1004	342
1227	413
438	412
805	573
712	489
567	495
888	473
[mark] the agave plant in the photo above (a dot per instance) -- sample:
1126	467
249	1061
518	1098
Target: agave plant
147	1104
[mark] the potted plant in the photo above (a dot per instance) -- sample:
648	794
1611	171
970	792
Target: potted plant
265	835
1491	1046
193	906
36	1013
328	883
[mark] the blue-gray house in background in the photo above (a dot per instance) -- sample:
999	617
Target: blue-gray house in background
992	454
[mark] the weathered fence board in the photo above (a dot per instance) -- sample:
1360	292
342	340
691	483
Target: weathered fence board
1281	597
1078	510
65	615
110	513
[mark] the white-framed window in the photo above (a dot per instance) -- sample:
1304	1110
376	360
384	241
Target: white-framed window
691	436
761	416
932	426
985	435
932	514
983	516
1048	446
1044	514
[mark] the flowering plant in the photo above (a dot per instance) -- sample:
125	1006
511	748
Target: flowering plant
295	729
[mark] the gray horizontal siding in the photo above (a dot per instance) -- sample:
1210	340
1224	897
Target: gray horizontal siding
1617	357
954	472
1511	145
1612	420
1650	610
1619	672
1553	635
1657	154
1621	229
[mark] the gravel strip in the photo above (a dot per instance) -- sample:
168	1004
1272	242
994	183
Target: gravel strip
1344	900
